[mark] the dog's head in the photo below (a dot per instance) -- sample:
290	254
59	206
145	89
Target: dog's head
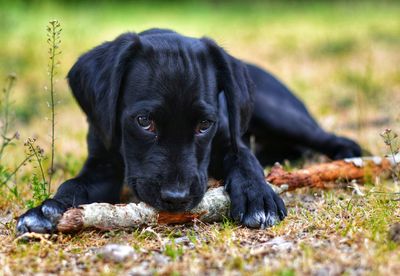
154	98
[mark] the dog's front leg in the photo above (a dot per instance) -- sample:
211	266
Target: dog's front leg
99	181
253	202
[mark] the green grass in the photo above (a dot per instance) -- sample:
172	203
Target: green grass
340	58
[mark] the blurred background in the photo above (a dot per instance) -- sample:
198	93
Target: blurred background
341	58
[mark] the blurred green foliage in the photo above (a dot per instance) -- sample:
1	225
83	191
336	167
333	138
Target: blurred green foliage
325	50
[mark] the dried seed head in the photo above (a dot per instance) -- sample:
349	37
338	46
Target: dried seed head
388	136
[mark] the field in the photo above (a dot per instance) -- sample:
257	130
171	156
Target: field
341	59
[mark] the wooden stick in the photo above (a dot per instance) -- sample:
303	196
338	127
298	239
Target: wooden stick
213	207
325	175
215	204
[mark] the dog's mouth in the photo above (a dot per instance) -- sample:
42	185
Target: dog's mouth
175	207
150	194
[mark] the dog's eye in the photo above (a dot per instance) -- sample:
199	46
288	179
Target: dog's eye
146	123
203	126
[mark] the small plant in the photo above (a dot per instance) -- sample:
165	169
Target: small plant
54	40
39	183
392	140
7	139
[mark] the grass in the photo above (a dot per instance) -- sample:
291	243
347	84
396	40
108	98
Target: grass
340	58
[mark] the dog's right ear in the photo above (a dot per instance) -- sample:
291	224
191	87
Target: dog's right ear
95	80
234	80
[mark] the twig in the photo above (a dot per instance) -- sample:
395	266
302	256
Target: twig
34	236
38	158
213	207
325	175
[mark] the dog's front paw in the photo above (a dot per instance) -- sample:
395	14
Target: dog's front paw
344	148
254	203
41	219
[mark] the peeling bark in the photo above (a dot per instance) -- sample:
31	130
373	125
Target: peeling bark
325	175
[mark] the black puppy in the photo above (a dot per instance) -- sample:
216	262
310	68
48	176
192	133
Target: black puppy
166	111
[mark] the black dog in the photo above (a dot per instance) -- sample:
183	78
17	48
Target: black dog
166	111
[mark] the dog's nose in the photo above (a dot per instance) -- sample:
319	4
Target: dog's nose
174	196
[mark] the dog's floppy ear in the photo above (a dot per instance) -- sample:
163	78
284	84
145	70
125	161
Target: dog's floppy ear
234	80
95	80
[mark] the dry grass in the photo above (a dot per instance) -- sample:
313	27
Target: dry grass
341	60
323	234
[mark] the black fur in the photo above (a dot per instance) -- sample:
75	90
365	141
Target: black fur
167	111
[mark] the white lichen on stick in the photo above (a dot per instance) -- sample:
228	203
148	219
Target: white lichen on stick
214	206
107	216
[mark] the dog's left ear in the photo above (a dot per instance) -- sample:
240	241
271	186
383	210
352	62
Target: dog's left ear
96	79
234	81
